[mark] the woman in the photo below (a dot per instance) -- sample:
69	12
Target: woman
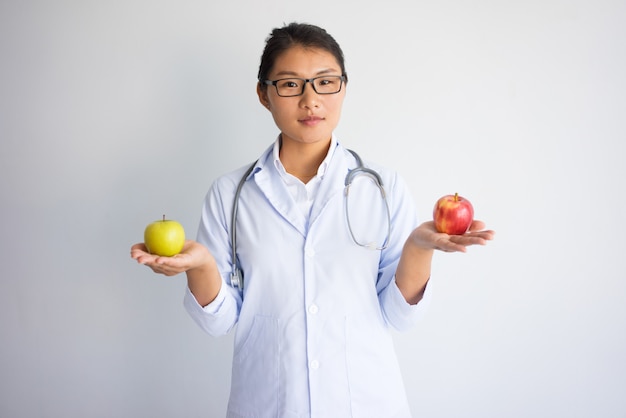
320	294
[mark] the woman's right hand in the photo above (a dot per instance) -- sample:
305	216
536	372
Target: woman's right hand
193	256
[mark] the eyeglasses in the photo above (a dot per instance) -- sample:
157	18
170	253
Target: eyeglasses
290	87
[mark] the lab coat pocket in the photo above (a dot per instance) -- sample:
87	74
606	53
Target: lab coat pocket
376	387
256	369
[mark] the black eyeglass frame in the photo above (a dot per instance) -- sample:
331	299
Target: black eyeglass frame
342	79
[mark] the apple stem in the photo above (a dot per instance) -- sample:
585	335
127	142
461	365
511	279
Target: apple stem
164	218
456	197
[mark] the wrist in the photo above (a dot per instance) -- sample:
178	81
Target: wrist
413	248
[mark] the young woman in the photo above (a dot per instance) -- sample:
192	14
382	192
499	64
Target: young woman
325	275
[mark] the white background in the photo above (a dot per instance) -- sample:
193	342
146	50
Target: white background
114	113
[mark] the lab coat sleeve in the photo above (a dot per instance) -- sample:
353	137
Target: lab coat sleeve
399	312
221	315
396	310
214	317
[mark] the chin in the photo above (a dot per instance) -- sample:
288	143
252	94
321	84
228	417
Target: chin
307	139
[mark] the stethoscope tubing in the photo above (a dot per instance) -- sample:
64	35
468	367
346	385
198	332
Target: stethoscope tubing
236	275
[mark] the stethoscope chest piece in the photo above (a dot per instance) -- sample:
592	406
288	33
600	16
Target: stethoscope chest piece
236	278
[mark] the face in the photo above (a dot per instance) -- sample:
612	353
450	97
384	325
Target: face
311	117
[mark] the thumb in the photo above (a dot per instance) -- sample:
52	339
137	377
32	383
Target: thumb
477	225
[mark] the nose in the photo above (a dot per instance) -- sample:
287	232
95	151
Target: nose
310	97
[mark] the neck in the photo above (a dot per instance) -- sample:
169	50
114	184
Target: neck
303	160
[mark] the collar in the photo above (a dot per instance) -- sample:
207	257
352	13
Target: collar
321	170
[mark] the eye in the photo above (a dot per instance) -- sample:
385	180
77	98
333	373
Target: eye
289	83
328	84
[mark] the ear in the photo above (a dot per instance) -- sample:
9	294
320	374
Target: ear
262	93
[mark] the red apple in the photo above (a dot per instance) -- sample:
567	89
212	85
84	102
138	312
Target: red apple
453	214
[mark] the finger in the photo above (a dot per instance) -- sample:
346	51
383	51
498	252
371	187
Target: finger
138	250
452	249
448	245
487	235
166	271
144	258
139	246
477	225
467	240
176	264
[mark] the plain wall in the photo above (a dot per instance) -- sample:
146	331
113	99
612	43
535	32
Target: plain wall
115	113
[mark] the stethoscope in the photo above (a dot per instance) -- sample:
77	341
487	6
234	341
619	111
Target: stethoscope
236	275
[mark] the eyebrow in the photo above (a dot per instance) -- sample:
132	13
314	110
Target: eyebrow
294	74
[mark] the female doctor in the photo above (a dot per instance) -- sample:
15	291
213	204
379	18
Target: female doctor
325	275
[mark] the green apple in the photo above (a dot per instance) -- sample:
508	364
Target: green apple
164	237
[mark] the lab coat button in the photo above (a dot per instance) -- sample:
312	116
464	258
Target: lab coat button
315	365
313	309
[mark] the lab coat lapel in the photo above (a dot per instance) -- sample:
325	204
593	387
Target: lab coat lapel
276	193
333	181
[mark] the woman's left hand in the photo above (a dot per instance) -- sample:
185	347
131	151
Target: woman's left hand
427	237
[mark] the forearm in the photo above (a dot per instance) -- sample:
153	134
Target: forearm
204	282
413	271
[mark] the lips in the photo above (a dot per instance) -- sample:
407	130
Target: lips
311	120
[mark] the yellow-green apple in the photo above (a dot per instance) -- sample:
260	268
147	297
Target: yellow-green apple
164	237
453	214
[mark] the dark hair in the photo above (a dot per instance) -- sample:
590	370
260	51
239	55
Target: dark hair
308	36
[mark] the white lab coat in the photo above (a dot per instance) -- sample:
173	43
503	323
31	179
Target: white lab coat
312	336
